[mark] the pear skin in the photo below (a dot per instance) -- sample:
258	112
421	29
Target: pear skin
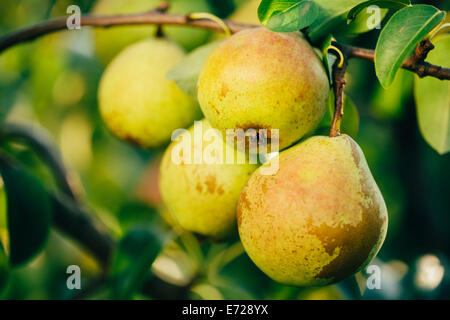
137	102
319	219
202	197
259	79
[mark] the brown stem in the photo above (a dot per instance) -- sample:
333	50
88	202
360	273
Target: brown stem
338	88
421	68
152	17
422	50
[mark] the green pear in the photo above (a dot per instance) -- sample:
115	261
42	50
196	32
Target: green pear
260	79
202	195
137	102
319	219
109	42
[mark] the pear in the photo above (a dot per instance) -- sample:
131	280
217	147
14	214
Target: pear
137	102
109	42
319	219
202	195
259	79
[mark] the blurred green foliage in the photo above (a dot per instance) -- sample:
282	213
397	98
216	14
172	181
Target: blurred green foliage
52	83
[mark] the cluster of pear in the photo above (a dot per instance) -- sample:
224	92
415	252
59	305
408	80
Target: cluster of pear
316	220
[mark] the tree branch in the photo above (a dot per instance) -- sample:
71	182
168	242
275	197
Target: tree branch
152	17
160	18
418	66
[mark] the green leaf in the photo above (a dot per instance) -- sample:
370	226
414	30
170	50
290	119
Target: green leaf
287	15
433	100
29	213
332	15
133	259
403	32
365	21
387	4
186	72
350	120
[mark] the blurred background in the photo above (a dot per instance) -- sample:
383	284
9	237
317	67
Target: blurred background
50	85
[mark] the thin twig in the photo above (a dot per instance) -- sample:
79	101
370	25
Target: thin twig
59	24
421	68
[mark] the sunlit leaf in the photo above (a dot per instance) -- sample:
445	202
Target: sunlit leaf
332	15
287	15
433	100
186	72
400	36
365	21
387	4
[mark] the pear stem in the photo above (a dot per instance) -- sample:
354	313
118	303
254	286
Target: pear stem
338	88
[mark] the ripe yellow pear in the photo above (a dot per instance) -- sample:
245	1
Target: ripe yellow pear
137	102
264	80
319	219
202	196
